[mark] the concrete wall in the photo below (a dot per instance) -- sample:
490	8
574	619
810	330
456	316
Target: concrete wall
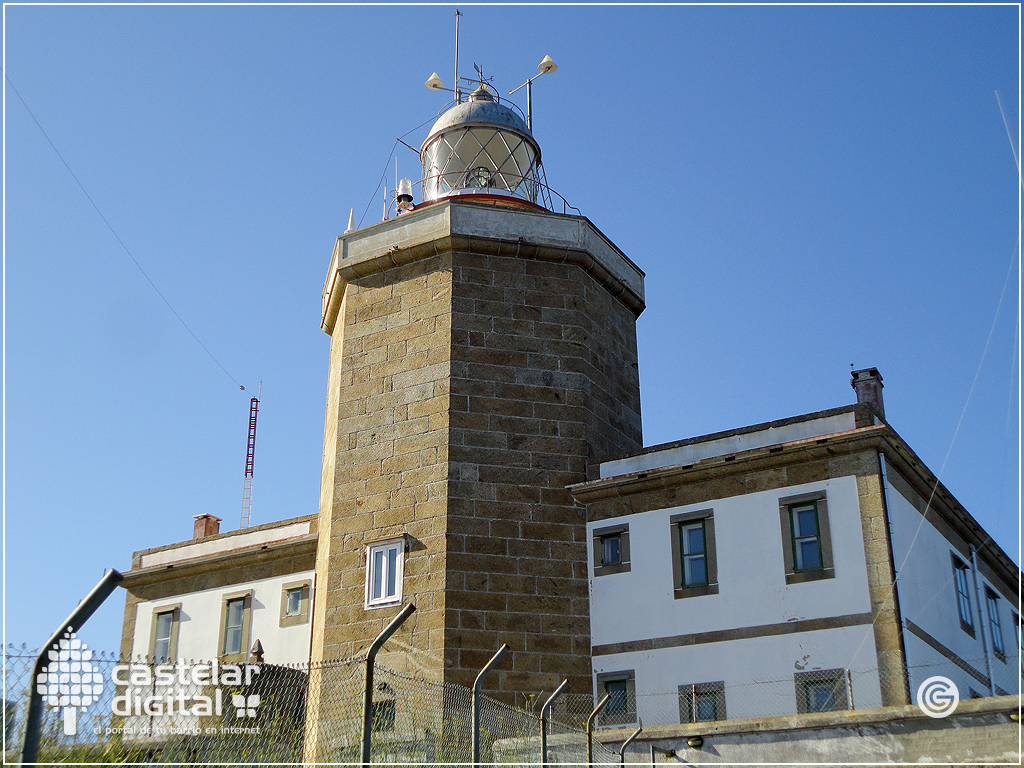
200	617
979	731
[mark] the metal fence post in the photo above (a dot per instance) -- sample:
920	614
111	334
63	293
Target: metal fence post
627	742
371	654
544	720
477	684
78	617
590	727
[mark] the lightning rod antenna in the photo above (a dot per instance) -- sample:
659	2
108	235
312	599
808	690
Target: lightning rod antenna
458	91
250	455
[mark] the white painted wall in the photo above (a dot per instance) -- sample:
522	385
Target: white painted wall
639	605
758	672
199	630
928	598
688	454
751	572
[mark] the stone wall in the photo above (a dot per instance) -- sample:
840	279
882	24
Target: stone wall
475	372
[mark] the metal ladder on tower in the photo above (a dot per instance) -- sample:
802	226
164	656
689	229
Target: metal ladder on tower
250	455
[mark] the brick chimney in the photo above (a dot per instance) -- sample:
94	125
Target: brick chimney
868	383
206	525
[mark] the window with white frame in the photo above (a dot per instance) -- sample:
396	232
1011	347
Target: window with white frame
385	562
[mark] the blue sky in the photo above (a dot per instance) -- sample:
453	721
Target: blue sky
806	187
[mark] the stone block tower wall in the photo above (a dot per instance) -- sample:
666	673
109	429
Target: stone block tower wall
480	358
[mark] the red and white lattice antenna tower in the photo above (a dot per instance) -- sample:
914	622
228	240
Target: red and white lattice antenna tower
250	455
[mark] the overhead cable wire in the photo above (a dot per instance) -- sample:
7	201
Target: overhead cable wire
116	236
938	476
383	176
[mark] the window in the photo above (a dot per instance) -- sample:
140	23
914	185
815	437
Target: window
164	632
702	702
384	566
992	604
806	541
694	562
823	690
1018	649
234	626
963	595
691	543
621	707
295	603
611	550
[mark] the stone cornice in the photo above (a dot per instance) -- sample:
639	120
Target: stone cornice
489	230
768	457
140	577
227	535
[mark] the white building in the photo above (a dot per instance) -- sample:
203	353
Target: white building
215	596
754	572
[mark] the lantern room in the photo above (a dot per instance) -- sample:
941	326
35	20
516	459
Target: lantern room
482	147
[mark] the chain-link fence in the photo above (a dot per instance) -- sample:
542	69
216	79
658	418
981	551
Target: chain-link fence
265	713
199	712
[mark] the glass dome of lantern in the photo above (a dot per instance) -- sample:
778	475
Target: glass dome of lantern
482	147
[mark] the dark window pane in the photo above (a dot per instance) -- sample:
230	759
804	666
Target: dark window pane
617	704
807	523
392	571
696	571
611	550
822	697
807	554
695	540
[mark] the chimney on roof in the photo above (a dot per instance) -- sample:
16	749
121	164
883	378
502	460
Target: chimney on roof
868	383
206	525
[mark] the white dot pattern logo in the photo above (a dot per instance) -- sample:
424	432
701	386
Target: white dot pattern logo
245	706
938	696
69	681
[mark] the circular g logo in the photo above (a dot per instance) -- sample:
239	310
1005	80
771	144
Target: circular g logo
937	696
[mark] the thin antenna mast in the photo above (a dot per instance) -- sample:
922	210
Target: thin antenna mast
458	91
250	455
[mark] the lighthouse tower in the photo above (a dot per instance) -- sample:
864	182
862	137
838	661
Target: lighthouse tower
483	356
